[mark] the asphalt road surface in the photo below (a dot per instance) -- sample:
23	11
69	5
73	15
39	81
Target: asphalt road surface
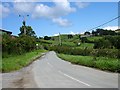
51	72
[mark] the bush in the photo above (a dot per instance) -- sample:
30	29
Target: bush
108	42
70	50
86	51
18	45
106	53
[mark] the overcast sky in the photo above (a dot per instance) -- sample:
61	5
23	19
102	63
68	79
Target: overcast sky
50	18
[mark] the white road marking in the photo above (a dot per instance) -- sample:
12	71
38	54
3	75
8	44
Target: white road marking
49	64
74	79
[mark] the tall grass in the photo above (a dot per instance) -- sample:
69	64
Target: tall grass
18	61
103	63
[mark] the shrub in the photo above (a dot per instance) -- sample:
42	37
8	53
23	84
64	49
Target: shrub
71	51
17	45
105	53
108	42
86	51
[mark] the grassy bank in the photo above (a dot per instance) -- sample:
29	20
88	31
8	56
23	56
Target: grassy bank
17	62
103	63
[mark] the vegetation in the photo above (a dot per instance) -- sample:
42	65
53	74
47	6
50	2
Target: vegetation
94	38
108	42
101	32
29	31
20	51
99	50
110	53
103	63
87	33
16	62
47	38
17	45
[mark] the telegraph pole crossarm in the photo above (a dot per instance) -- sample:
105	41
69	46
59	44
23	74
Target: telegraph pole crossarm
24	22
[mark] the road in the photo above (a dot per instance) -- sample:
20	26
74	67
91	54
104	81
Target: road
51	72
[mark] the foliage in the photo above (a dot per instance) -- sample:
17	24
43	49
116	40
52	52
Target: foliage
101	44
47	38
108	42
70	36
29	31
17	45
103	63
86	51
94	38
16	62
87	33
112	53
103	32
70	50
84	39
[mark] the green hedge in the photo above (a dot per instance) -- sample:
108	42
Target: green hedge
112	53
17	45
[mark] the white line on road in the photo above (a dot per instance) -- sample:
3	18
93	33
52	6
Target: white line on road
74	79
49	64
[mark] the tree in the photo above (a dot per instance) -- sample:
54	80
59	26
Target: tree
87	33
47	38
84	39
70	36
29	31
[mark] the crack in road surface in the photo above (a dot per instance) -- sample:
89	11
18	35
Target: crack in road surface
49	71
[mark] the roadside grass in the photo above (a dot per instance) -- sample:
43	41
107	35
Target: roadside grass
17	62
1	61
103	63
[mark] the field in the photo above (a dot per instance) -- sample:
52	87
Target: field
103	63
18	61
73	42
94	38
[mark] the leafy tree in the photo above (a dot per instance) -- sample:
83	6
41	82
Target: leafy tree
29	31
70	36
94	33
18	45
87	33
103	32
84	39
47	38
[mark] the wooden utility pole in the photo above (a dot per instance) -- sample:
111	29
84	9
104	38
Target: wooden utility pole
24	22
60	39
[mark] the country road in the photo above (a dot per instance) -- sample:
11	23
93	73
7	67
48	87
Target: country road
51	72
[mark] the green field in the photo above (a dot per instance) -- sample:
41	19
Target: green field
84	45
103	63
73	42
94	38
17	62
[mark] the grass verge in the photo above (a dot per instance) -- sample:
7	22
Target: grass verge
103	63
17	62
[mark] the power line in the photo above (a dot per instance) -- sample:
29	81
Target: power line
105	23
